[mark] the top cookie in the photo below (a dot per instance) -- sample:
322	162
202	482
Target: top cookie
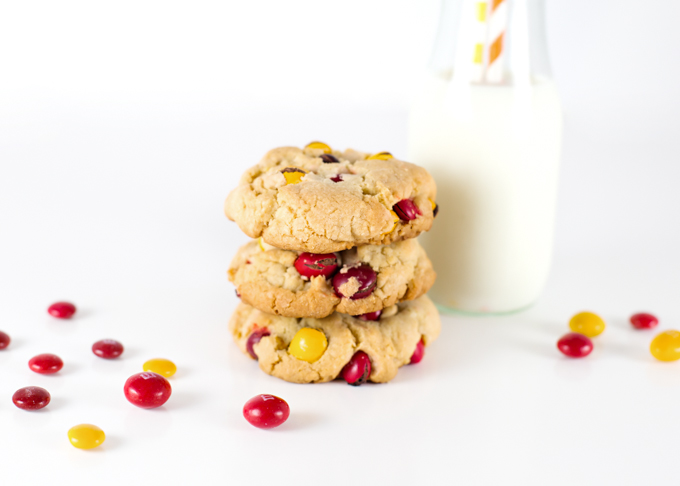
321	201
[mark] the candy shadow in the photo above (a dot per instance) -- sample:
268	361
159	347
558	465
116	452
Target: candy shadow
181	400
300	421
111	442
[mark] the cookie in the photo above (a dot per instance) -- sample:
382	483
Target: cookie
271	280
321	201
389	342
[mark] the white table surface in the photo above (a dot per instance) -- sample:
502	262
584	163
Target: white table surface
118	209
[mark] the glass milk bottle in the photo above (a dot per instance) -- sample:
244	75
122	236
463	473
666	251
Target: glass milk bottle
487	124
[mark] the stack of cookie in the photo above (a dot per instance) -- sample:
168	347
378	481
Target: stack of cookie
333	284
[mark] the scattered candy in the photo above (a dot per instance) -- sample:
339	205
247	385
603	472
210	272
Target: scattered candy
4	340
666	346
266	411
370	316
86	436
308	344
254	338
45	364
644	321
163	367
329	159
337	178
587	323
107	348
147	390
319	145
419	353
406	210
575	345
62	310
293	175
357	371
316	264
355	282
31	398
381	156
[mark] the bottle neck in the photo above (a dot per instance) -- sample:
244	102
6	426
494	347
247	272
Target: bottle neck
496	42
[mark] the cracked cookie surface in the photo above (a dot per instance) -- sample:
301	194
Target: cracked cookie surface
269	281
326	207
389	342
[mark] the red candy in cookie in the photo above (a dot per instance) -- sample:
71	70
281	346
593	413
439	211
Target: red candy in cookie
45	364
254	338
357	371
644	320
370	316
356	282
266	411
316	264
406	210
419	353
62	310
147	390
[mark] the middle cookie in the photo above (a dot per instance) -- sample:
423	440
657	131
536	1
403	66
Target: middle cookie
358	281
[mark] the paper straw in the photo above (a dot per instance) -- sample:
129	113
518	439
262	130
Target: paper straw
480	12
497	22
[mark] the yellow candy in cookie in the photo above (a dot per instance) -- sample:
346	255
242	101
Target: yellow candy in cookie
380	156
319	145
293	175
308	344
395	218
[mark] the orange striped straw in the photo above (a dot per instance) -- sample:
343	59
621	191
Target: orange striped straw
498	20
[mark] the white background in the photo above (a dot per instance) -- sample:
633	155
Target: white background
123	125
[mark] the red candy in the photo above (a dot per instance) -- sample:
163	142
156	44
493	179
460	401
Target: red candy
255	338
62	310
266	411
575	345
316	264
419	353
644	321
46	364
107	349
406	210
31	398
363	273
337	178
370	316
147	390
4	340
357	371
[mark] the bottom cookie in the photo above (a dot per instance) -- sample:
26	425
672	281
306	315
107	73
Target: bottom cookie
324	346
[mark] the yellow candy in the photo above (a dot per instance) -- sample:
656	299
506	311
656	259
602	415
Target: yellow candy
381	156
587	323
319	145
86	436
666	346
308	344
395	218
434	205
163	367
293	175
